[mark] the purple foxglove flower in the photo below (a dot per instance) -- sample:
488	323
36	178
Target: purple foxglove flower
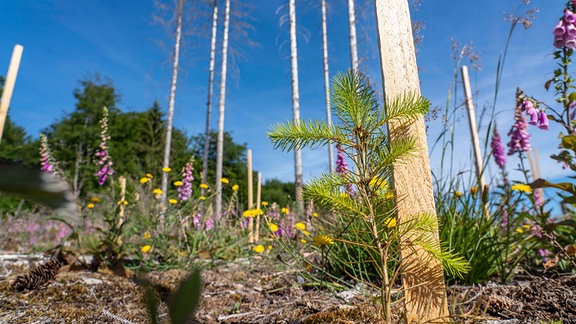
46	161
544	254
341	165
569	17
185	190
559	29
533	113
209	224
519	138
559	41
537	230
102	153
498	149
570	31
569	43
543	122
196	221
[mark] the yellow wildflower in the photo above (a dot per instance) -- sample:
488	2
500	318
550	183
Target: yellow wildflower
144	180
122	202
305	232
526	226
303	241
378	182
225	180
146	249
314	214
390	222
202	198
203	186
264	203
173	201
323	240
95	200
519	230
269	247
285	210
148	175
273	227
166	170
457	193
177	183
301	226
474	190
146	235
157	191
235	187
90	206
522	187
258	248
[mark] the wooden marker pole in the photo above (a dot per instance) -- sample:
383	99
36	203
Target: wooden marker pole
9	85
258	203
422	278
250	198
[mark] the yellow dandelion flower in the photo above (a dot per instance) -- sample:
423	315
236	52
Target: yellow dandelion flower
305	232
177	183
522	188
457	193
301	226
172	201
259	248
202	198
303	241
314	214
264	203
390	222
285	211
157	191
273	227
146	249
95	200
166	170
269	247
519	230
90	206
203	186
323	240
225	180
147	235
248	213
235	187
144	180
148	175
473	190
526	226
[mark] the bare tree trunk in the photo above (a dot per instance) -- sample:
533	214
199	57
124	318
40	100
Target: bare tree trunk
353	43
296	106
166	163
327	82
210	92
220	143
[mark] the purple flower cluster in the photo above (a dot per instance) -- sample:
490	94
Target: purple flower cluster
565	31
185	190
498	149
537	118
46	161
104	160
342	168
519	137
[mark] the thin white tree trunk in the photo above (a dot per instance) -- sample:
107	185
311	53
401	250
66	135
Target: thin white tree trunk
296	106
210	92
220	143
353	43
166	163
327	82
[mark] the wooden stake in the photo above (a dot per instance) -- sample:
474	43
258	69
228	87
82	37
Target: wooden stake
422	278
122	181
250	199
258	203
9	85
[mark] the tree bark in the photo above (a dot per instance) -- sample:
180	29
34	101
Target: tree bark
327	83
423	280
353	42
220	143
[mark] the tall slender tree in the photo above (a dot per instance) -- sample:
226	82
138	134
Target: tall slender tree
210	91
353	42
166	162
221	107
295	106
327	81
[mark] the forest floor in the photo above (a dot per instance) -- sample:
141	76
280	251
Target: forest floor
260	290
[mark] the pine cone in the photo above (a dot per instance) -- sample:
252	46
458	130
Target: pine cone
37	276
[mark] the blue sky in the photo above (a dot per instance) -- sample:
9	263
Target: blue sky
65	41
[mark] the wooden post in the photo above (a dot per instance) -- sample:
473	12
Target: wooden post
9	85
258	203
122	181
250	199
422	278
473	128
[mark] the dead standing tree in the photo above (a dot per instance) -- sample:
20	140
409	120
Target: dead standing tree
423	280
